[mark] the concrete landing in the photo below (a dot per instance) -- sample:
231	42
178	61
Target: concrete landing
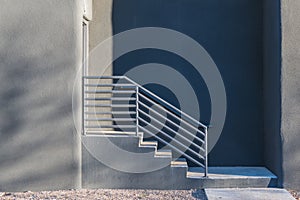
248	194
231	173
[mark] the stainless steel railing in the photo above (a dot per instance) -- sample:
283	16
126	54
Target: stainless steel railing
124	106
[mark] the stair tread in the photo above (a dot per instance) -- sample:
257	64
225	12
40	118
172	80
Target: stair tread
180	162
163	153
107	132
231	172
195	172
149	143
111	132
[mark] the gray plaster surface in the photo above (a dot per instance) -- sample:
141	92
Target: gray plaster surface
248	194
40	42
290	86
101	28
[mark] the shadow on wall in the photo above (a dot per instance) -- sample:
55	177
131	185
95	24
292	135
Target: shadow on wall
231	32
36	127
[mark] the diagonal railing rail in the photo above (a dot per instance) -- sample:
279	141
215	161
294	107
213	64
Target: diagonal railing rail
181	132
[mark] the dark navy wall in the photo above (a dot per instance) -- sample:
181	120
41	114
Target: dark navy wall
232	33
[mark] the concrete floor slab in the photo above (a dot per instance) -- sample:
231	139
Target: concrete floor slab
248	194
231	172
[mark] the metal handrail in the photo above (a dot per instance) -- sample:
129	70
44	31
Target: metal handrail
167	103
178	118
149	96
181	144
172	146
151	93
186	131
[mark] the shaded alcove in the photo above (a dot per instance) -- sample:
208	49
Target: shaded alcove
231	32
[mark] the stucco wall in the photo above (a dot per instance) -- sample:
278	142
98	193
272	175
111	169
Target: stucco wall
39	57
290	86
40	53
100	28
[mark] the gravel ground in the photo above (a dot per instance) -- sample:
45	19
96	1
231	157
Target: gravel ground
295	194
108	194
114	194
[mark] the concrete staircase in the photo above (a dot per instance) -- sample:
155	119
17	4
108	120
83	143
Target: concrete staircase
115	154
142	165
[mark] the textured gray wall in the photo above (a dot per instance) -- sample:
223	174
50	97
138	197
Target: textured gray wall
272	86
40	42
39	57
100	26
290	126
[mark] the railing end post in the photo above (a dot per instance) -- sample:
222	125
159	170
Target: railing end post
137	110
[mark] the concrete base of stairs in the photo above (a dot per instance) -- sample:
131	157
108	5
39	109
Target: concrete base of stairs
170	175
97	175
248	194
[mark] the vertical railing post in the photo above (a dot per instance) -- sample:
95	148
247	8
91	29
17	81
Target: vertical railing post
206	153
83	105
137	110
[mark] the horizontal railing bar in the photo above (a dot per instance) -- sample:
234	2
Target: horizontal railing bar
110	105
110	98
177	125
164	133
109	85
111	126
111	119
110	91
104	77
164	125
165	102
170	121
173	147
149	92
112	112
173	115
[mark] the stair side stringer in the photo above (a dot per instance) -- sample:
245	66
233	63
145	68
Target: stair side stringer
175	163
190	173
154	144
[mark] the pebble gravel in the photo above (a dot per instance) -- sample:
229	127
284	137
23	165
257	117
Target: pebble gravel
295	194
107	194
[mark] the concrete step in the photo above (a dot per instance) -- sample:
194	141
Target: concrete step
163	153
180	162
110	133
231	173
248	194
233	177
148	143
